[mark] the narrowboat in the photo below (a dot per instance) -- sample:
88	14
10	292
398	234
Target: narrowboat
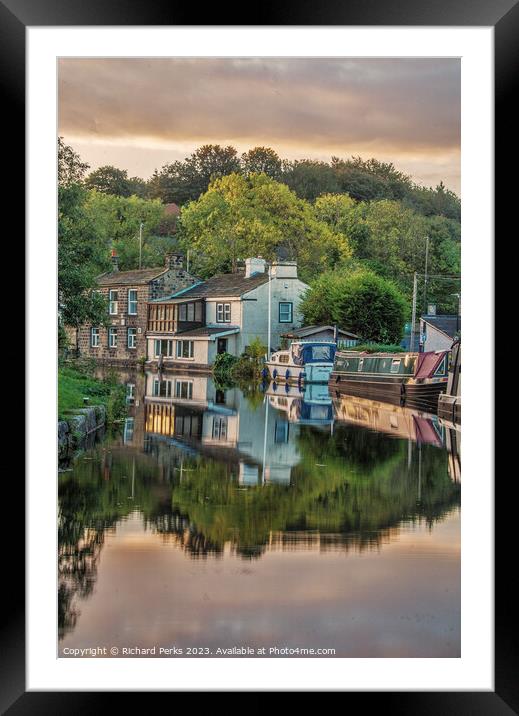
304	361
408	377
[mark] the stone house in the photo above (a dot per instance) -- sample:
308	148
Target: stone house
224	314
127	293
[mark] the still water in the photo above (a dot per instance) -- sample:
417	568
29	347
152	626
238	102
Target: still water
230	520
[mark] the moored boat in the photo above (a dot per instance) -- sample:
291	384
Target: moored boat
407	377
304	361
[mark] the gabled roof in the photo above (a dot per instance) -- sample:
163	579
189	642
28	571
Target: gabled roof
130	278
312	330
227	284
450	325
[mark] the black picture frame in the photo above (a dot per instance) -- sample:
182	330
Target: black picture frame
503	15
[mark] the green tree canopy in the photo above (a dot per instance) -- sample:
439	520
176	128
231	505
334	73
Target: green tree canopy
71	169
361	301
262	160
110	180
116	221
184	181
78	302
257	216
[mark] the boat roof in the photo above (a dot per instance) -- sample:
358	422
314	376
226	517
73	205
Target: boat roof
313	343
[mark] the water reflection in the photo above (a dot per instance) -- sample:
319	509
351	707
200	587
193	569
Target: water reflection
222	475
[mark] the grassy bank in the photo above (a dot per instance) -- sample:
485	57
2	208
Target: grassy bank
76	382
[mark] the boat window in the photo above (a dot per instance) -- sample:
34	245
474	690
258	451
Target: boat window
361	364
440	370
283	358
395	365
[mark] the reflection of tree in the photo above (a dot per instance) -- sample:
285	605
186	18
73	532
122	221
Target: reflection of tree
353	486
93	499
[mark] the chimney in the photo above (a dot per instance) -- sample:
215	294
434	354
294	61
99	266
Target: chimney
254	265
115	261
174	261
284	269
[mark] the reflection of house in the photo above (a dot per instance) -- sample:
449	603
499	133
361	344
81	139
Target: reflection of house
437	333
345	339
224	314
221	424
127	293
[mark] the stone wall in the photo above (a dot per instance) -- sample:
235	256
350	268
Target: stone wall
74	432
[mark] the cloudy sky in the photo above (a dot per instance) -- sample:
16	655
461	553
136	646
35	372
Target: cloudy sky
139	114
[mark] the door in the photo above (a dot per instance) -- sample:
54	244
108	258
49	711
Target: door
222	345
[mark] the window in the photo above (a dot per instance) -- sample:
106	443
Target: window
132	302
223	312
285	312
162	388
112	337
284	358
184	389
163	347
113	303
128	430
132	338
219	428
94	337
130	393
185	349
198	312
395	365
190	311
182	312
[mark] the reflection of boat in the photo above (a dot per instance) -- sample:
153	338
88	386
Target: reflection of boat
310	405
308	361
400	421
407	376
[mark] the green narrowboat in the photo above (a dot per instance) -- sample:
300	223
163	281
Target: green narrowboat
408	377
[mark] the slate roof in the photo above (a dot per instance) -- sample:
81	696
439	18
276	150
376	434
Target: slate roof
130	278
450	325
227	284
208	331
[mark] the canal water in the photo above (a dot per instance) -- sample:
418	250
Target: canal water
223	522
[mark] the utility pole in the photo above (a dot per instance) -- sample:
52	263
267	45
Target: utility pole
425	275
140	245
269	312
413	318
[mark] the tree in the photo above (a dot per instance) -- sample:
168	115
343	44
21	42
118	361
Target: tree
361	301
116	221
309	179
257	216
71	169
78	301
184	181
262	160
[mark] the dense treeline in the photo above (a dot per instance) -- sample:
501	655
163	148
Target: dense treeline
346	217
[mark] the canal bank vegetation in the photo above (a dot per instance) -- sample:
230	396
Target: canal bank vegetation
78	388
230	370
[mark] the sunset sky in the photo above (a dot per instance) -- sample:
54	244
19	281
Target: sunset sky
139	114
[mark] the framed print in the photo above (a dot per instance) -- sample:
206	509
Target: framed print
246	248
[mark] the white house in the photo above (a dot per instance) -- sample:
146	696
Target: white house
437	333
224	314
